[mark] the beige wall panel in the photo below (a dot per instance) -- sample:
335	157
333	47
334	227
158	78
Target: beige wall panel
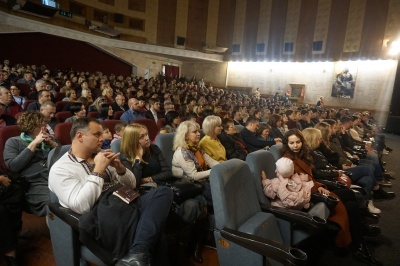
181	18
292	22
238	26
392	29
212	23
264	22
322	22
141	61
214	73
354	28
151	21
120	7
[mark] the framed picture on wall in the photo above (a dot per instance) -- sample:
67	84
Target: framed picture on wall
344	81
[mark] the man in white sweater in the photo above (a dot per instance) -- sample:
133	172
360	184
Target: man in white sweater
80	176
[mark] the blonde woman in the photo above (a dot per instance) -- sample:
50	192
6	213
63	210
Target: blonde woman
198	110
190	163
108	94
70	96
210	143
95	106
87	93
144	159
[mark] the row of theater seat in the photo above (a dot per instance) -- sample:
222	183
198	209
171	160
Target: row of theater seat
234	198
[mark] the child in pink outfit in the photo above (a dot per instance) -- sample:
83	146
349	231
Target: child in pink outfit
287	189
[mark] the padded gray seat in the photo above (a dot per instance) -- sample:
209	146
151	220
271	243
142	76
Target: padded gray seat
276	150
244	234
116	146
165	142
263	160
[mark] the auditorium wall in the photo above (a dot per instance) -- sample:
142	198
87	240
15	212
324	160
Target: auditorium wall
214	73
144	63
56	52
374	80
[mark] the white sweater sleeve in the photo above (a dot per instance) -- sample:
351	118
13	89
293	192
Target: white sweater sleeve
181	164
77	194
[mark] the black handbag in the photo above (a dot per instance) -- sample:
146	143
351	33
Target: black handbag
184	190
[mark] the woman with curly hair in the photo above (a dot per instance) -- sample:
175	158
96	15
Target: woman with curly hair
26	155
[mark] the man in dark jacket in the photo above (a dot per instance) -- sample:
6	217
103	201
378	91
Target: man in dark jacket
249	136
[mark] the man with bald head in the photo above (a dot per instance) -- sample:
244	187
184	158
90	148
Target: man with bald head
133	113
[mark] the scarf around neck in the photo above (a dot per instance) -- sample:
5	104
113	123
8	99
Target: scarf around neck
195	148
29	139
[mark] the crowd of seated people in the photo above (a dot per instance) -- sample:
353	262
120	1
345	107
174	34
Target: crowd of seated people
233	124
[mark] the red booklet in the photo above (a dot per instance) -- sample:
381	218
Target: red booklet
126	193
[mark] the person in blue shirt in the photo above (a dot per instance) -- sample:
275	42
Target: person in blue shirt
133	113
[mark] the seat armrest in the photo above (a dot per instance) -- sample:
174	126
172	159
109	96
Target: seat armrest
332	185
65	214
314	224
266	247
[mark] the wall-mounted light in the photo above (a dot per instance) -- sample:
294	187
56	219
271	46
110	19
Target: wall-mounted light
394	46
